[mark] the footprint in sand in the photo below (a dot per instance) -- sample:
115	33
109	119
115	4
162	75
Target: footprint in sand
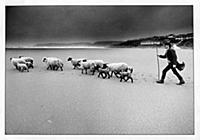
49	121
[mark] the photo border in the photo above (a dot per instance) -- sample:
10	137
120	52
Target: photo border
196	74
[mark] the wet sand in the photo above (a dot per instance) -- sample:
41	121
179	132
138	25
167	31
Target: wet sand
67	102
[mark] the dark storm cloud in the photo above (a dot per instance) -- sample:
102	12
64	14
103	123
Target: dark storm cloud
90	23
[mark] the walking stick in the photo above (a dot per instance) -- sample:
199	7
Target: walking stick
158	62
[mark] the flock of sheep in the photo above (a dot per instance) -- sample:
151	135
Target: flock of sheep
104	70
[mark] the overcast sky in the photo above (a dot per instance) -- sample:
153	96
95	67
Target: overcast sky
92	23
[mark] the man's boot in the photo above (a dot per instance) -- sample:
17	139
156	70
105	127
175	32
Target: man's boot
160	81
181	82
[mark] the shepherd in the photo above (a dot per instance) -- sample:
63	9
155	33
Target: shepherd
172	64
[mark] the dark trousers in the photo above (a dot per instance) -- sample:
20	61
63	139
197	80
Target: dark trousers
167	68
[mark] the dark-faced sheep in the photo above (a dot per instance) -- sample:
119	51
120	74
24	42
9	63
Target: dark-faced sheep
87	65
75	62
92	65
98	64
103	73
126	76
116	68
29	65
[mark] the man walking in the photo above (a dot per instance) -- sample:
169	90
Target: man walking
172	62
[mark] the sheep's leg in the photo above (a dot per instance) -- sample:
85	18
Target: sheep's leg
117	74
48	67
51	67
61	68
27	70
108	75
104	75
93	71
131	79
111	74
85	71
121	77
56	67
82	71
100	74
128	77
125	78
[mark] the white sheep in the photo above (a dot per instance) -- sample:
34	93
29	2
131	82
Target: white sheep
53	63
93	65
98	64
14	61
85	65
21	67
75	62
116	68
27	59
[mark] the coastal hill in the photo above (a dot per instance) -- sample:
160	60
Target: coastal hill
181	40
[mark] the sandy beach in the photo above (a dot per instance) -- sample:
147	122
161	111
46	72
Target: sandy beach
68	102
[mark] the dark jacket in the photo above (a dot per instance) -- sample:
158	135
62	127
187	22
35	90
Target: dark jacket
171	56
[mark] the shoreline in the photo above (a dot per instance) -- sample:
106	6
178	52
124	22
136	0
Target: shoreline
85	48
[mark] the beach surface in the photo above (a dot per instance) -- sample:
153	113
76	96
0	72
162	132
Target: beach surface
68	102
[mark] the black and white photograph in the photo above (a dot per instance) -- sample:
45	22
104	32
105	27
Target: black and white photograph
99	69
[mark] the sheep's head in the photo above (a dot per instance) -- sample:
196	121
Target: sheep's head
78	63
44	59
21	56
69	59
130	69
84	60
11	59
104	65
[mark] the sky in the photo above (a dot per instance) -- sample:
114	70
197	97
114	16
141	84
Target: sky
94	23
